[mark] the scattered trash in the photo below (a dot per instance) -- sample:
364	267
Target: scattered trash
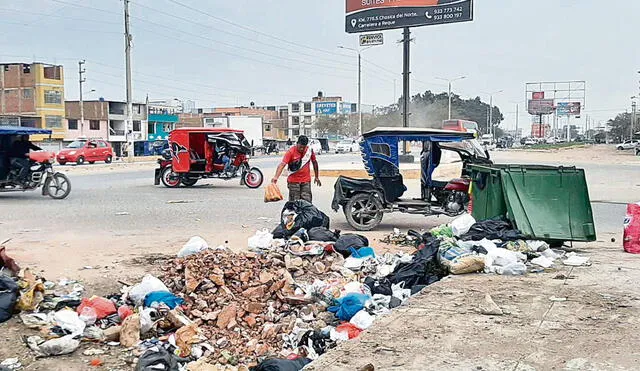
157	358
54	347
148	284
350	329
631	238
193	246
349	241
299	214
93	352
347	306
542	261
462	224
70	321
261	240
11	364
553	298
362	320
155	298
8	297
575	260
101	307
122	213
35	320
130	332
6	261
282	365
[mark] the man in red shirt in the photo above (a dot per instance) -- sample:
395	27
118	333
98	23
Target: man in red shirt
297	160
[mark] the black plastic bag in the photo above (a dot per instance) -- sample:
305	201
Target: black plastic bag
8	297
423	270
281	365
381	286
346	241
279	232
492	229
307	217
159	359
323	234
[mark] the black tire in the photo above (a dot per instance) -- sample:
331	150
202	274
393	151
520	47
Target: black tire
92	162
62	163
57	186
108	160
364	212
80	160
189	182
620	148
166	180
253	178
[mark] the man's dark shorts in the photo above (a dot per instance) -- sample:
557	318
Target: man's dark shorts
300	191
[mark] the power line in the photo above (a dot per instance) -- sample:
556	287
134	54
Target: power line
240	36
47	15
254	30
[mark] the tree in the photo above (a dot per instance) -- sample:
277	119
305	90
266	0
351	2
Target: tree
428	110
337	125
620	127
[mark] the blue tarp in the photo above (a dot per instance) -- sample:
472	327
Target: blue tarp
19	130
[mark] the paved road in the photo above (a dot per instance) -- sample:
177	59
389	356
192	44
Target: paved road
127	203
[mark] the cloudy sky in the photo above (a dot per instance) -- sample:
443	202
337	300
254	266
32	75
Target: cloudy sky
221	52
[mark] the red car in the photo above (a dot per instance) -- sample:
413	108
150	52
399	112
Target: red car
84	150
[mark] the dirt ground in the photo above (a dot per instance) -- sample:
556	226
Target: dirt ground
441	328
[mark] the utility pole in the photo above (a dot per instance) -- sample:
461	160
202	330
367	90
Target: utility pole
491	115
449	81
633	117
406	43
82	79
517	118
127	51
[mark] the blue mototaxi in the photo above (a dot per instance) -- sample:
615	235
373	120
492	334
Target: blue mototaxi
364	201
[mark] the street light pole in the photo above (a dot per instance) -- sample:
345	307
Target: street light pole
449	81
490	126
359	51
127	48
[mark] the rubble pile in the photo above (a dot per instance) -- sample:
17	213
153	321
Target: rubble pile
243	302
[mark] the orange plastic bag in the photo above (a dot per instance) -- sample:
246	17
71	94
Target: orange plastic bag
272	193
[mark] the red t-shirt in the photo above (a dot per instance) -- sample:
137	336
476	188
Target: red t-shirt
304	174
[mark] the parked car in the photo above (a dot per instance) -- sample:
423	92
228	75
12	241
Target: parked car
86	150
530	142
627	144
347	145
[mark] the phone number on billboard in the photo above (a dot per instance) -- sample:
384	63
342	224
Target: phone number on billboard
447	13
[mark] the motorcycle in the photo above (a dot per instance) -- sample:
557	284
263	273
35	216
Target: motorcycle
41	174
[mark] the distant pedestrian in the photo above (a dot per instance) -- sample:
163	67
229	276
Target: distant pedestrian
297	160
289	142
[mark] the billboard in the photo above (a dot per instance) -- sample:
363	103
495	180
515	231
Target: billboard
568	108
537	95
378	15
540	106
326	108
372	39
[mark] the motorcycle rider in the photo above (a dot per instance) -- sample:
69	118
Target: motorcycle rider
19	156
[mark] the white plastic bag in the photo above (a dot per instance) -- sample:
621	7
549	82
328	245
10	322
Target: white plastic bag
462	224
575	260
261	240
55	347
88	315
69	320
362	320
193	246
542	261
146	320
398	291
148	284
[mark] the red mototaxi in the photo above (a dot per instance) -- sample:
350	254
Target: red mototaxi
192	156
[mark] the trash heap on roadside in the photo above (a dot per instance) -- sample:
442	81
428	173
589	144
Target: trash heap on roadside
299	291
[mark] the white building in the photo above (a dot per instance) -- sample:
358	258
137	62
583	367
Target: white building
302	115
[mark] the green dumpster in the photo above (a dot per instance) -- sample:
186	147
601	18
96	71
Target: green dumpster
543	202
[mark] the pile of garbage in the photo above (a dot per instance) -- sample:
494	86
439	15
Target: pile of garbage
299	291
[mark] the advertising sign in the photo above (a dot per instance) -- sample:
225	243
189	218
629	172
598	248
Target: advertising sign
372	39
540	106
346	108
326	108
377	15
568	108
537	95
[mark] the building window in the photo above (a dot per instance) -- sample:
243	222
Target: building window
296	132
94	124
72	124
136	126
151	128
53	121
27	93
295	107
307	120
267	127
296	120
52	97
307	107
53	72
26	68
